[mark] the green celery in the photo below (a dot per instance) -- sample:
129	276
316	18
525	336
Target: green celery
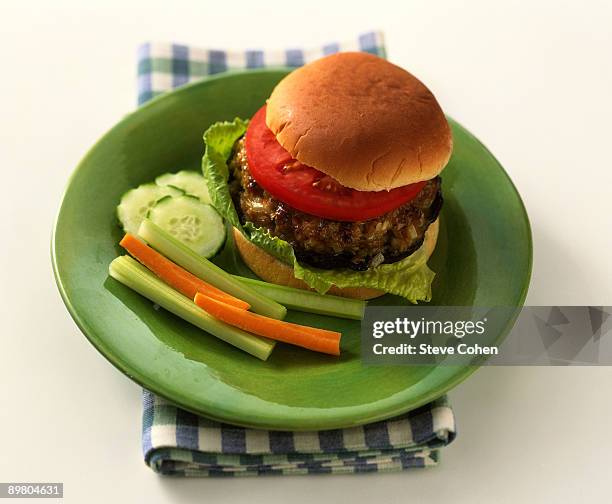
178	252
308	301
132	274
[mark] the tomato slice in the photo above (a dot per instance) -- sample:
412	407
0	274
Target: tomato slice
309	190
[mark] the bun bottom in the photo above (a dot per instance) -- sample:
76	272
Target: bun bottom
270	269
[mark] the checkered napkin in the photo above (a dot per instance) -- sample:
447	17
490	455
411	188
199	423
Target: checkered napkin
163	66
176	442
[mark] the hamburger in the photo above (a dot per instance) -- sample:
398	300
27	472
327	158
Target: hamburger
334	183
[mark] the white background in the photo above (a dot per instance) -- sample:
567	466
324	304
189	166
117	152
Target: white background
532	80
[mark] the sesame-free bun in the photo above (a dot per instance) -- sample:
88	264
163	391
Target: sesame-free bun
363	121
270	269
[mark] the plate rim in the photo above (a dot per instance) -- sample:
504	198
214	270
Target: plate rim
339	421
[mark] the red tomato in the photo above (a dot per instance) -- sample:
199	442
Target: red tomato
309	190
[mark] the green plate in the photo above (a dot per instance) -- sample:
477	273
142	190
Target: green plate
483	258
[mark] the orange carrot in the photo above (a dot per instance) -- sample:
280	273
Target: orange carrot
319	340
174	275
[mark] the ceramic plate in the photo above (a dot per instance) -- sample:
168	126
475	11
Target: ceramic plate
483	258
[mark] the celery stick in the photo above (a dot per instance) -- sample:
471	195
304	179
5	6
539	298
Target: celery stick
176	251
132	274
308	301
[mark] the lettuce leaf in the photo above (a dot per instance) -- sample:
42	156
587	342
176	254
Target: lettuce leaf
219	140
409	278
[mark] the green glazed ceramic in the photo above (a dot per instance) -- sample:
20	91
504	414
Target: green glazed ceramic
483	258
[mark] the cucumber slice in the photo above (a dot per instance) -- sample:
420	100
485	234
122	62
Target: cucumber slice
136	203
190	221
188	181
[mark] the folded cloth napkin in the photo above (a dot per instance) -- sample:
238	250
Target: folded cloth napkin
165	66
176	442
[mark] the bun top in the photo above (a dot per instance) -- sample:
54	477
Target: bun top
361	120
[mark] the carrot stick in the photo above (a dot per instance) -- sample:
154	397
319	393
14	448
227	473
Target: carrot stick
174	275
312	338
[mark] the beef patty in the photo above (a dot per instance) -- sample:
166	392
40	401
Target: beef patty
332	244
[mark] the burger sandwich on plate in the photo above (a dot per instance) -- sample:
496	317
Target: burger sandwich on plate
333	184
